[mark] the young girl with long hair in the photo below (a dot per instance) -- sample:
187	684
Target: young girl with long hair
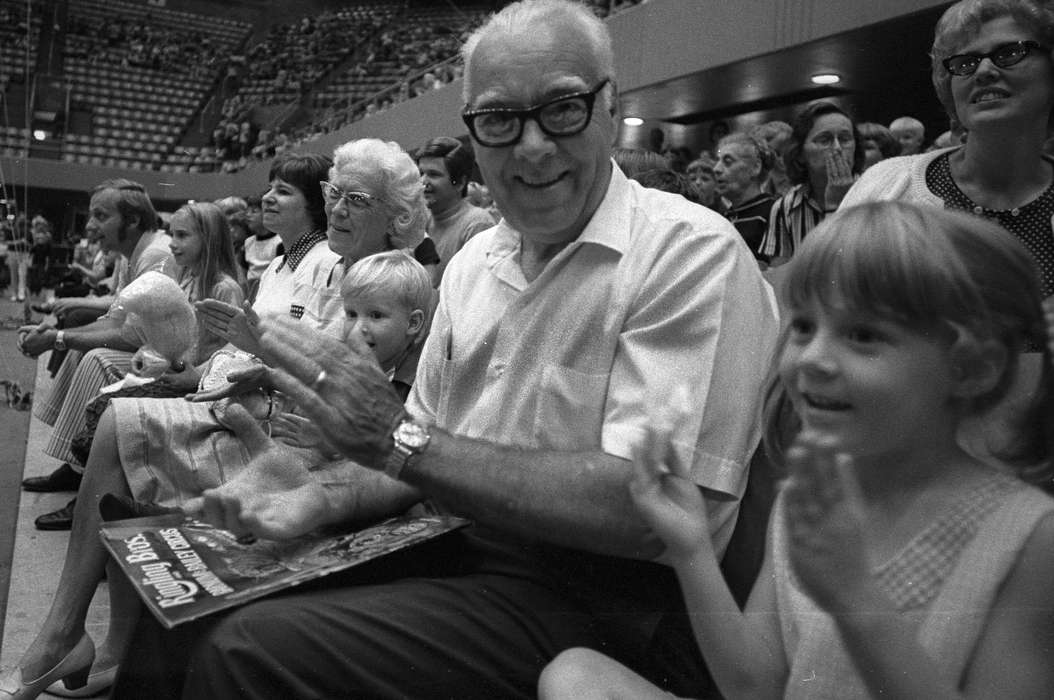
898	564
202	246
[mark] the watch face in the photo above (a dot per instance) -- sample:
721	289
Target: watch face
412	435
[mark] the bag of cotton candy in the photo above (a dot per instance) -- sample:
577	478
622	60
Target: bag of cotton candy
156	315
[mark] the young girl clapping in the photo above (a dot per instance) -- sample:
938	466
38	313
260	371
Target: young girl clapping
897	565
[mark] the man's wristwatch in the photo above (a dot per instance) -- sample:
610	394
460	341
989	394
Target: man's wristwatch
60	341
411	438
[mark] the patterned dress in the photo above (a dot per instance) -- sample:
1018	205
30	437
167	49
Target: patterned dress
946	579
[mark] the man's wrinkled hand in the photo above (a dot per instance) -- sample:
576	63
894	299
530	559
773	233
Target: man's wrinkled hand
338	386
274	497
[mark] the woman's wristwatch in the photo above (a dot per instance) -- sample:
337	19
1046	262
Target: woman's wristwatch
60	341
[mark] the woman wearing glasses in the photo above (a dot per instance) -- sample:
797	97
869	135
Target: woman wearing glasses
993	73
992	68
824	155
375	202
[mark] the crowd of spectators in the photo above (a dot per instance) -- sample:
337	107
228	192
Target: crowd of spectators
796	192
416	52
291	57
587	377
142	43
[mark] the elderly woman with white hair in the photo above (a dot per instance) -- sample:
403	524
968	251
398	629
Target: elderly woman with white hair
166	451
373	203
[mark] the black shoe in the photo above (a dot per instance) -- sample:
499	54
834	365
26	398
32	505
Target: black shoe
61	519
62	479
114	507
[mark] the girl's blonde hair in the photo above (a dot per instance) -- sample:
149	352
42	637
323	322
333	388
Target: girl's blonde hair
217	248
946	274
394	270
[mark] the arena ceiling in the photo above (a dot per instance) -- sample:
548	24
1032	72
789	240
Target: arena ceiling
884	69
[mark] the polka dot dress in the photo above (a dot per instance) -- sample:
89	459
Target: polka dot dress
1031	224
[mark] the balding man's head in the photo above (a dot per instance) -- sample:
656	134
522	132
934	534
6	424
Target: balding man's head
540	104
539	15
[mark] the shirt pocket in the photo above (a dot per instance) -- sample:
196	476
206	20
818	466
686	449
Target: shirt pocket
569	414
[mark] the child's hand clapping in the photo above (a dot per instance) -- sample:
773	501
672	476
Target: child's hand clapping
663	492
825	524
1048	317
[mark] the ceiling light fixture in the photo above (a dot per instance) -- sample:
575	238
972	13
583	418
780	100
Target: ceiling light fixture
826	78
632	121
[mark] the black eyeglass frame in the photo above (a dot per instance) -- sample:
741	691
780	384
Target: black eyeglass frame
1027	46
535	113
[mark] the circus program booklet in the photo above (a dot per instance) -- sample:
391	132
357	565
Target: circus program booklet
184	569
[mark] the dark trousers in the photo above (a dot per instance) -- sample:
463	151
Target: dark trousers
441	621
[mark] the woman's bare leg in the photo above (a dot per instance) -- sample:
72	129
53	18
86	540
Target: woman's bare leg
85	564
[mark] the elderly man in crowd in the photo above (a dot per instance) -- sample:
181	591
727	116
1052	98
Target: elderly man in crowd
446	166
524	417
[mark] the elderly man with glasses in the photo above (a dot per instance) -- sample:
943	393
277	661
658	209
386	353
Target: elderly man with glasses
594	301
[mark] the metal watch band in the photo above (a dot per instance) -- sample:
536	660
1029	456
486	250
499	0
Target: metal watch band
396	461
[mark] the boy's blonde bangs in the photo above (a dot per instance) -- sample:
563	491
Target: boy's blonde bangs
392	271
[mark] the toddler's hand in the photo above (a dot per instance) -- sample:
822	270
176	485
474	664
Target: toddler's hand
297	431
824	513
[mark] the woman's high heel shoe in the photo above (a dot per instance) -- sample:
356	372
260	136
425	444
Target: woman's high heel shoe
73	670
97	682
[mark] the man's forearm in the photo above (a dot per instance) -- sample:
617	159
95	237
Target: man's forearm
104	333
100	304
573	499
353	492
